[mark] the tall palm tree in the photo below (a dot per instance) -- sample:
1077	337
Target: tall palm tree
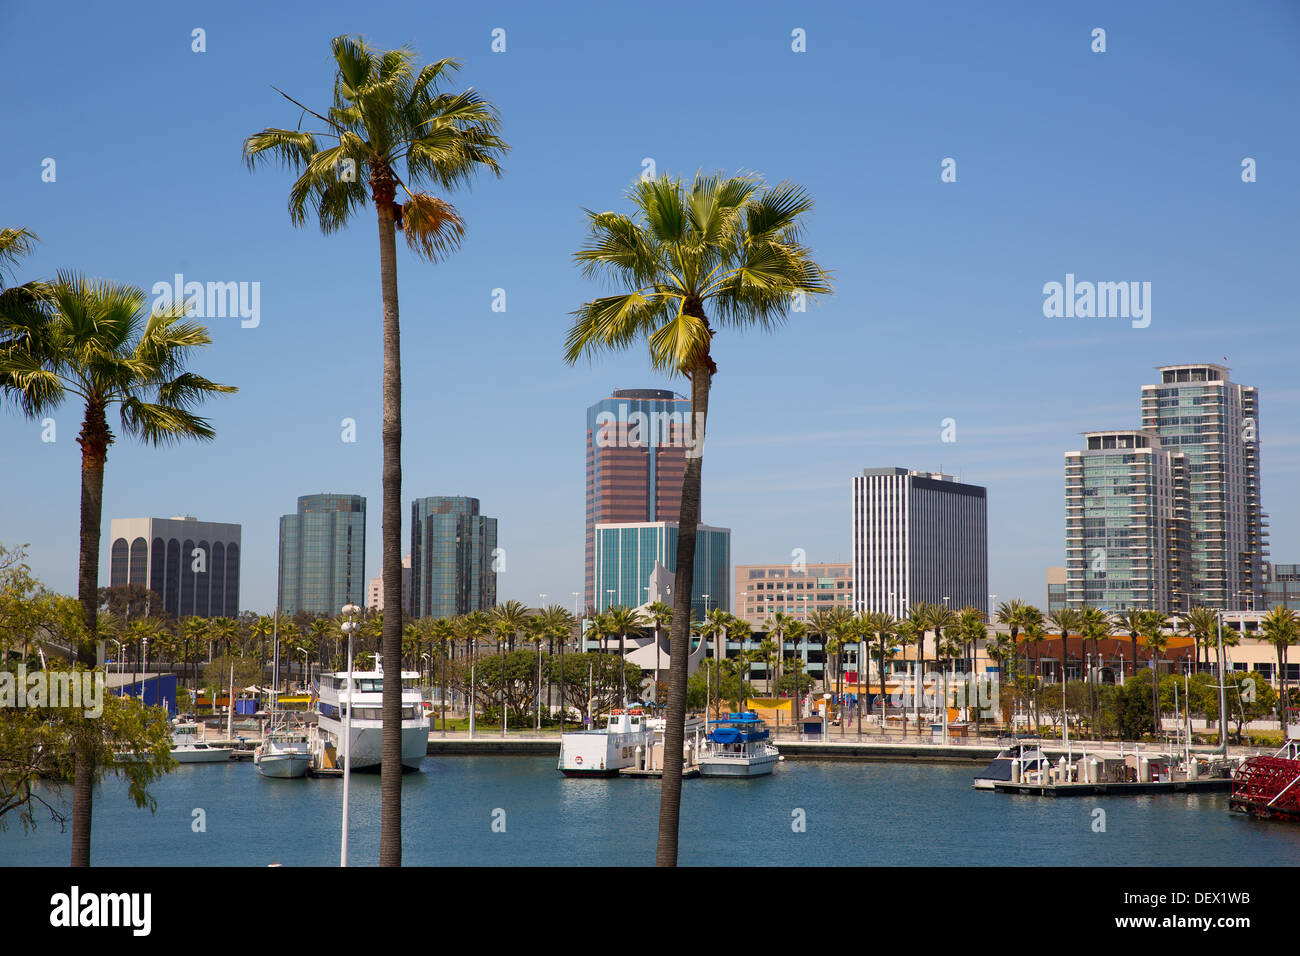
712	628
387	115
97	342
910	632
659	615
620	619
1064	620
1010	614
724	245
507	621
1201	623
443	633
559	626
882	625
1094	624
1153	624
972	630
1281	628
1035	634
474	627
778	625
1130	620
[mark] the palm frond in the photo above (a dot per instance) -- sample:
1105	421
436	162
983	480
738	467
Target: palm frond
433	227
157	424
614	322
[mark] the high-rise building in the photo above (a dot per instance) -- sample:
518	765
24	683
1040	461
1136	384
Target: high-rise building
627	552
636	459
918	536
453	557
796	589
1282	587
323	554
1198	411
1125	522
192	565
375	593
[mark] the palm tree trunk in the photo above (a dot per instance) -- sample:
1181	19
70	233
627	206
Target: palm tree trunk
390	830
670	798
94	440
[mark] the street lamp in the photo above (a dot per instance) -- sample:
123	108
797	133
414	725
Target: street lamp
350	628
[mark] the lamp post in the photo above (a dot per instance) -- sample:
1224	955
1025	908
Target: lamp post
349	627
541	607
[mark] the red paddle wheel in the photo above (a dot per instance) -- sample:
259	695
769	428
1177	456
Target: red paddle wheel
1269	786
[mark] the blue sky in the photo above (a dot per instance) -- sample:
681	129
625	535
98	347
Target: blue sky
1115	166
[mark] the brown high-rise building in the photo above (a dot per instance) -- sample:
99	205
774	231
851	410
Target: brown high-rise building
636	458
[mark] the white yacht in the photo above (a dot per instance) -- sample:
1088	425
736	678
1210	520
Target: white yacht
188	746
366	699
738	746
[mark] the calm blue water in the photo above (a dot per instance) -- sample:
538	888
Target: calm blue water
856	813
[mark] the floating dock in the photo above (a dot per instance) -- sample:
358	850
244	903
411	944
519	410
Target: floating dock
1204	785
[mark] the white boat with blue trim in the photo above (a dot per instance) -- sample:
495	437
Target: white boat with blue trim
738	745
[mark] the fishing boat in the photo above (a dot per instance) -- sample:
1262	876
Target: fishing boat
363	693
738	746
607	750
1269	787
1017	761
188	746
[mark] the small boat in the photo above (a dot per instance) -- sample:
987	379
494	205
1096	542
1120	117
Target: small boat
187	747
604	752
738	746
283	754
1016	762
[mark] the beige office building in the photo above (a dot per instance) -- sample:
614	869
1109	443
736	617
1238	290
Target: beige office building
796	588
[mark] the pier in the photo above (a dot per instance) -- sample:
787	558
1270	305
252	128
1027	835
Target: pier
1206	785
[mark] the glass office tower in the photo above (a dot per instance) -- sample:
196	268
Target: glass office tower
626	554
636	459
323	554
453	557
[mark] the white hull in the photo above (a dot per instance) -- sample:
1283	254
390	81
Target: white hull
367	742
284	765
748	765
202	755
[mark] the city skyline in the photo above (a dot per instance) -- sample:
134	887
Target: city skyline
946	276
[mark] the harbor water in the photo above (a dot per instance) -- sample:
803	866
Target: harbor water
504	811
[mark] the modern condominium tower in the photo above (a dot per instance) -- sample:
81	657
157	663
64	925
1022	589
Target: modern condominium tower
626	555
1125	522
323	554
918	536
453	557
192	565
1198	411
636	459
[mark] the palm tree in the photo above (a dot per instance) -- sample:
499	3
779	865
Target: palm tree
98	341
507	620
1035	634
723	244
1064	620
713	627
768	653
885	628
1281	628
559	626
778	625
1153	624
1201	625
443	633
972	630
660	615
620	620
474	627
387	114
1130	620
910	632
1094	624
1011	614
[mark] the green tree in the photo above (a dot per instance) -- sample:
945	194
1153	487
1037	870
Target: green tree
388	115
96	341
722	245
1281	628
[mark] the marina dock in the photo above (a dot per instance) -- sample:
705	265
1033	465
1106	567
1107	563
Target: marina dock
1206	785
